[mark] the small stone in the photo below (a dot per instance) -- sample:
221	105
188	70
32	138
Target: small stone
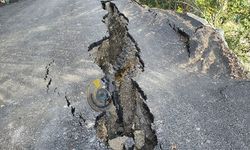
198	129
133	126
90	124
117	143
173	147
139	137
129	143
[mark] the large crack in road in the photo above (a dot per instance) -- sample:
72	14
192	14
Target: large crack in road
119	57
192	109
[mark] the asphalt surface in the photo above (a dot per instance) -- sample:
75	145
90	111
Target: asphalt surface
191	110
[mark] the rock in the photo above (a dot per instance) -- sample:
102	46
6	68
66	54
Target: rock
129	143
139	136
118	143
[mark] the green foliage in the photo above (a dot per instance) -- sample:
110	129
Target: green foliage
233	16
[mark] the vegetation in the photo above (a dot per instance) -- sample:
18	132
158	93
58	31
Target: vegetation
233	16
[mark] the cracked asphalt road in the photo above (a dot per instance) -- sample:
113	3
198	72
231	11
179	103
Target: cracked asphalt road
191	110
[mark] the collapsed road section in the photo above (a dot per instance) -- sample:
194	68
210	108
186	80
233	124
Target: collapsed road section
128	121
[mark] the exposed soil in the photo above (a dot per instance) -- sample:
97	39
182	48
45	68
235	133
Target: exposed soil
119	57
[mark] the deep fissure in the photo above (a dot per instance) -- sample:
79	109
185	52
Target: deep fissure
118	55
